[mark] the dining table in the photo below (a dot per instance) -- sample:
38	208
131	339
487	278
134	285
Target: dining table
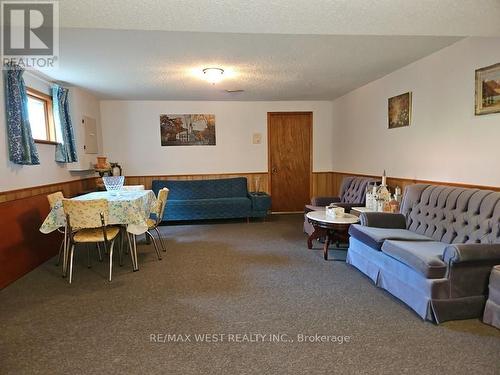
128	208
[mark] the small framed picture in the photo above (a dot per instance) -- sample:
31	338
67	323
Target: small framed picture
488	90
399	110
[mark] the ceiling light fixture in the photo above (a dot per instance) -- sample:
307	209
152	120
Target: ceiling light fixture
213	75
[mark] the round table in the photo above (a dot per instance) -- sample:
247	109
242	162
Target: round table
332	228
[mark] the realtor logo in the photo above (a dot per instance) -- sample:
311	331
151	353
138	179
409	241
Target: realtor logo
30	33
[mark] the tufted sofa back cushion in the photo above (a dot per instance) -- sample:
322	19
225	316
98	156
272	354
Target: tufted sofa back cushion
353	189
453	214
203	189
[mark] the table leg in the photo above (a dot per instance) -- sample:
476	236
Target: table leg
318	233
326	245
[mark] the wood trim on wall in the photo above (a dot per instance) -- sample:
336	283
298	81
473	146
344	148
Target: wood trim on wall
328	183
69	189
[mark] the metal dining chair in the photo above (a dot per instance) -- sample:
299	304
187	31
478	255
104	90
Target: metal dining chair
86	221
155	220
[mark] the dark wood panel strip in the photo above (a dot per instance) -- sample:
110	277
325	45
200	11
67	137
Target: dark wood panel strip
70	188
419	181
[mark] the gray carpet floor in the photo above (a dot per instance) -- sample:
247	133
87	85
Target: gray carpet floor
228	279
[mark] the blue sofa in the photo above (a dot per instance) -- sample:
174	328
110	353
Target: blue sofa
437	254
211	199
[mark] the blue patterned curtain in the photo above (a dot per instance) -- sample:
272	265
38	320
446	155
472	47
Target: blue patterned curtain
66	149
22	148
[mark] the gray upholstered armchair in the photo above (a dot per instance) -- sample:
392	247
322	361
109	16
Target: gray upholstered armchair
352	194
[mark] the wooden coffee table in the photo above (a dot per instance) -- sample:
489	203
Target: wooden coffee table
333	229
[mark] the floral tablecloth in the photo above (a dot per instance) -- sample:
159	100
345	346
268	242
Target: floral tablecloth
131	208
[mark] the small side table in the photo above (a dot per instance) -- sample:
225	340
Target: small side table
261	203
332	228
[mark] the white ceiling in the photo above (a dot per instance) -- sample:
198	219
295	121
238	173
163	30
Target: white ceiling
120	64
358	17
275	49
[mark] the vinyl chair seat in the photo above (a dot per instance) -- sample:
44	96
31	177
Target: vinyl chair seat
151	223
95	234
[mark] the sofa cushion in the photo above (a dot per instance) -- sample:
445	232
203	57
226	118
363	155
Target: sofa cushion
203	189
424	257
198	209
375	237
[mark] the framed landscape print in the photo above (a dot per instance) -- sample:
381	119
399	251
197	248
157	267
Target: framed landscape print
399	111
187	130
488	90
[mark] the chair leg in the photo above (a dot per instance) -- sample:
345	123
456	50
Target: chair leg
131	250
120	251
148	234
134	240
161	239
60	253
124	233
99	251
111	259
89	265
65	252
71	263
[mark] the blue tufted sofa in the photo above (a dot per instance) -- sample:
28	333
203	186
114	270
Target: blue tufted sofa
211	199
437	254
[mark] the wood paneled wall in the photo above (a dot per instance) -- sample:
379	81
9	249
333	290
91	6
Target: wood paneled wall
22	246
256	180
328	183
69	189
22	212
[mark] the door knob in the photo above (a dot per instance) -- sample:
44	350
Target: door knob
274	170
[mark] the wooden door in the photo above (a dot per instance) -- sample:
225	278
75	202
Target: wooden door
289	137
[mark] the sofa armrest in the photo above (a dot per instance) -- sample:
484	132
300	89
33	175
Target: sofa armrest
324	201
383	220
469	268
261	202
474	252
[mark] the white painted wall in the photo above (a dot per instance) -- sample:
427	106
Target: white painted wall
13	176
131	136
445	142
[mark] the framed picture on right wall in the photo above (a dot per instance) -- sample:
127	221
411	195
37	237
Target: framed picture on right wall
399	111
488	90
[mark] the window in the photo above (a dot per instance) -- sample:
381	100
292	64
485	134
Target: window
40	116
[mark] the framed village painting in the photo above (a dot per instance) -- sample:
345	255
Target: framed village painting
399	110
187	130
488	90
